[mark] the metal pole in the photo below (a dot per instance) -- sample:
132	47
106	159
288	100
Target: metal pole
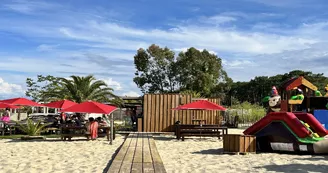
111	128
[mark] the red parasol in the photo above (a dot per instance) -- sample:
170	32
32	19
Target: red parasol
61	104
91	107
5	105
200	105
21	101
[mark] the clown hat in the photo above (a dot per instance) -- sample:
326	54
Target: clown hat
274	91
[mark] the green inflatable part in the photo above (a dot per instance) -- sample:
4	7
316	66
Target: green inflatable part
300	97
266	99
318	93
297	97
293	98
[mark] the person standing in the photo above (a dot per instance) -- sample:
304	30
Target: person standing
92	127
6	116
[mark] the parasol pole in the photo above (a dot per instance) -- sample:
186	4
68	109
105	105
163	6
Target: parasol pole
111	128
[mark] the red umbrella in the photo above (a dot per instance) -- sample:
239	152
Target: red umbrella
61	104
94	107
200	105
91	107
5	105
21	101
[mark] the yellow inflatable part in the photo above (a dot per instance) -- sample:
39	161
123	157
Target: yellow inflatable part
316	135
306	125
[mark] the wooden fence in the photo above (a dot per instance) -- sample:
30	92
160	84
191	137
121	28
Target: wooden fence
159	116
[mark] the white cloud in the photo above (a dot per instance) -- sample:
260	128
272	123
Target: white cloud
113	84
82	34
131	94
28	7
8	89
46	47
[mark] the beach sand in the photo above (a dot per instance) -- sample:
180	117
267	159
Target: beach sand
204	156
55	156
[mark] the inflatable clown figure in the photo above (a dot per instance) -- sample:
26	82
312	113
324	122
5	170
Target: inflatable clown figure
274	100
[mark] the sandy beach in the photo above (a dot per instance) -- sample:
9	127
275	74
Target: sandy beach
204	156
55	156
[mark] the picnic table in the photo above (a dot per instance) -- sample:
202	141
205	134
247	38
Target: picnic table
79	131
199	121
4	125
207	130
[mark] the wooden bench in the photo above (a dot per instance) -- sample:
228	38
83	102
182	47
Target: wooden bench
197	130
76	131
10	125
137	154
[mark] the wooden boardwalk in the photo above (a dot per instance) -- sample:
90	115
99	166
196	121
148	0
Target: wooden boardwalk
138	154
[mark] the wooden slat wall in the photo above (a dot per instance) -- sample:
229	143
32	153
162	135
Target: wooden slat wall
159	116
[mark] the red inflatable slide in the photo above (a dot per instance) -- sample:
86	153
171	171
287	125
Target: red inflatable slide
313	122
287	117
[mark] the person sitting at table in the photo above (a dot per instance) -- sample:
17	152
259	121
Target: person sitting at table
62	118
6	116
92	128
101	122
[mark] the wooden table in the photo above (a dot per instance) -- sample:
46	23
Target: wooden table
138	154
200	130
79	131
223	129
199	121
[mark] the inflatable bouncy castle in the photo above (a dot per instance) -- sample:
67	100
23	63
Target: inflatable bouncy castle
289	125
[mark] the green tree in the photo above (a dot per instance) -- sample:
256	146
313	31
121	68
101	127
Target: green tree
80	89
155	70
200	71
259	87
159	71
42	84
194	94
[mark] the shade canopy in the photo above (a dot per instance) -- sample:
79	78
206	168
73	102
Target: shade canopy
61	104
91	107
21	101
5	105
200	105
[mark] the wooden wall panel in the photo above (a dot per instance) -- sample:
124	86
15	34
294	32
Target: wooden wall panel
159	116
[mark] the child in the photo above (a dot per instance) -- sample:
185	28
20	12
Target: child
92	128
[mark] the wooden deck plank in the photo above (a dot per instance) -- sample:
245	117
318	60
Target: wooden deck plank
115	167
117	162
159	168
146	152
125	168
138	154
153	150
137	168
148	168
127	161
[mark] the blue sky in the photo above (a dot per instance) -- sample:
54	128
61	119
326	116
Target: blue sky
80	37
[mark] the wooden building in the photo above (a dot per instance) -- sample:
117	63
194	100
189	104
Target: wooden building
158	115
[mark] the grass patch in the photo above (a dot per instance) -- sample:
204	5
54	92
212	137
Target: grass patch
19	136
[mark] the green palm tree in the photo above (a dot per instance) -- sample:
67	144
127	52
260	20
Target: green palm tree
80	89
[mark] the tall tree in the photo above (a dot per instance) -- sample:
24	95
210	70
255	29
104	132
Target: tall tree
35	88
155	70
200	71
